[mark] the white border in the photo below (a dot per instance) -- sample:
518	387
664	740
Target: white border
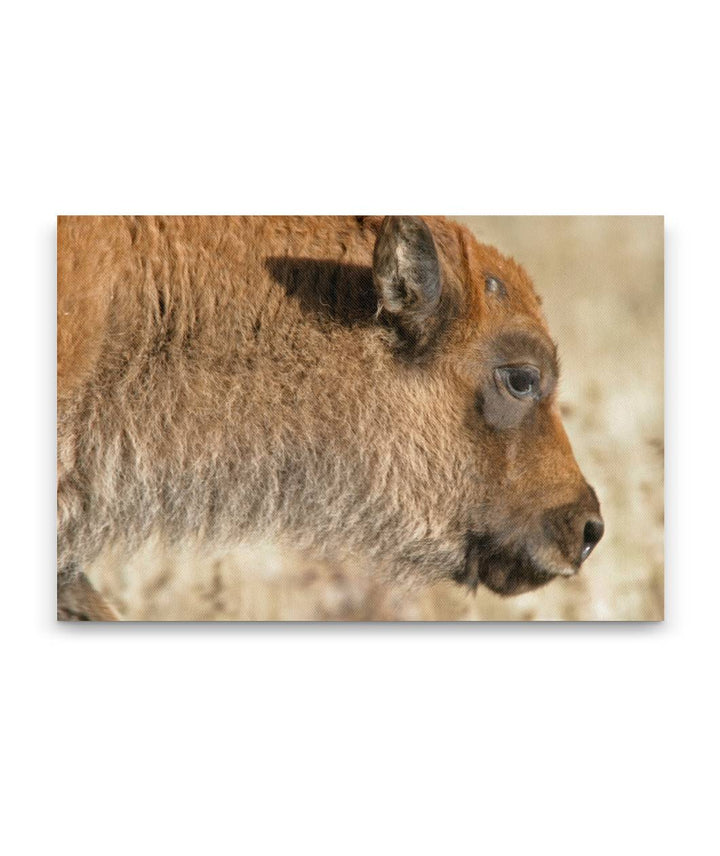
412	739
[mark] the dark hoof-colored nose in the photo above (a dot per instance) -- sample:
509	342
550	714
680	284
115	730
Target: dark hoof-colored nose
593	532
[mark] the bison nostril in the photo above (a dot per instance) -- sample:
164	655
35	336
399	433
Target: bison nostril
593	532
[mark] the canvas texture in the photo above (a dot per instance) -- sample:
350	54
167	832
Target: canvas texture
361	418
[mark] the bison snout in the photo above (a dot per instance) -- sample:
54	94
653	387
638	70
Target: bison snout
567	536
575	529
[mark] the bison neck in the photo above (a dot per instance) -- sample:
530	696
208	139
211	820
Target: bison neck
233	385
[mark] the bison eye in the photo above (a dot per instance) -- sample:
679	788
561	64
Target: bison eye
520	381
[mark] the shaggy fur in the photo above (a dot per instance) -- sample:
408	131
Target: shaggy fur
235	378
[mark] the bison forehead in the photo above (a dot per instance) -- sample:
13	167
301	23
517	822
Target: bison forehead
491	281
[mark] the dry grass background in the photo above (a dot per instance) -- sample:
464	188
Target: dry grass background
601	279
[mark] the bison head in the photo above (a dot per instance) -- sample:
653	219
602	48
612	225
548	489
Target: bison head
480	375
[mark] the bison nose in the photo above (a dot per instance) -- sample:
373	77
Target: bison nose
592	533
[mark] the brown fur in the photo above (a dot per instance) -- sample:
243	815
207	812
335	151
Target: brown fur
234	378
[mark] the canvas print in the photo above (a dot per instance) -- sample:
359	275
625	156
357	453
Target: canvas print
360	418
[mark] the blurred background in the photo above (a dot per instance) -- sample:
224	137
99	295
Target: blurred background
601	280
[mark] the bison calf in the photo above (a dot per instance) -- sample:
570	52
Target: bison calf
378	388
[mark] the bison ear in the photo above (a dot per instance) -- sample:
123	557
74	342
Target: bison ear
406	273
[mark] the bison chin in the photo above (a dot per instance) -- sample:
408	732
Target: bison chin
502	570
